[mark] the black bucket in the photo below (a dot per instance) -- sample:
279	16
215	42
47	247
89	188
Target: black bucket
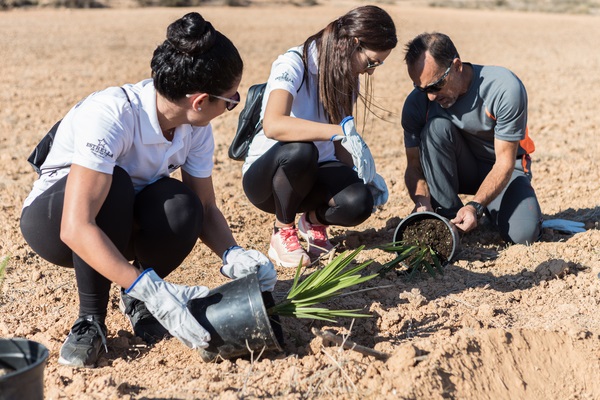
422	215
23	362
236	317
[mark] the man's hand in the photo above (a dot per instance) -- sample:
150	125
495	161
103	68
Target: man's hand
167	302
423	205
466	219
238	262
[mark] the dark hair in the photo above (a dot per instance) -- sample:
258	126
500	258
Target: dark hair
195	57
437	44
374	30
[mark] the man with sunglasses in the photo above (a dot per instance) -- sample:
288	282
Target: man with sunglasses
465	132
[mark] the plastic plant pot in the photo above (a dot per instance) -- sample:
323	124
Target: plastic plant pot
23	362
424	215
236	317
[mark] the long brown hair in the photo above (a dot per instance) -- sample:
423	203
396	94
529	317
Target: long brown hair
365	27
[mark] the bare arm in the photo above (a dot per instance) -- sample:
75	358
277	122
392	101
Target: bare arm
418	190
216	233
278	124
85	194
492	185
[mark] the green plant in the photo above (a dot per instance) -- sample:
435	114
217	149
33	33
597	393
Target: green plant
417	257
322	285
3	265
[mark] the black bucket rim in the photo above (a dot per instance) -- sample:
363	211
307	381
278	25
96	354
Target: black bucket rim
41	356
420	215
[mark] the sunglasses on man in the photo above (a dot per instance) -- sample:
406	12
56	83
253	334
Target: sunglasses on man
437	85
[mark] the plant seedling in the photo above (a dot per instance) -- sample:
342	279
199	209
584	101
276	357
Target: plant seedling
418	257
3	265
322	285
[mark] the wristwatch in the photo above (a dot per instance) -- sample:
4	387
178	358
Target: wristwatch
478	208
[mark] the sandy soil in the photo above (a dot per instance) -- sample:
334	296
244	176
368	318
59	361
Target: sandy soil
502	323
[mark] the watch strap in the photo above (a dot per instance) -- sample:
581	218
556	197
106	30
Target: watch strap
478	208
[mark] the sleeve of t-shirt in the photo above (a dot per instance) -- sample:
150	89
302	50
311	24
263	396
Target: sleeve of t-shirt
199	162
287	73
414	117
104	129
509	108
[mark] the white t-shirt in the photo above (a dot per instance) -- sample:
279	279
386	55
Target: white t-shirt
287	72
106	129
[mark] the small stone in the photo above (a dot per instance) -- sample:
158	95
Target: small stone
36	276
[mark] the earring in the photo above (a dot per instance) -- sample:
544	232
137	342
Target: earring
199	109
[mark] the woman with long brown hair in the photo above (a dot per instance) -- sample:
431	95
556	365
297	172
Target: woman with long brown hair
308	157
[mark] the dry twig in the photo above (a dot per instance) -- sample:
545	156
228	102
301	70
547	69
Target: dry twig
350	345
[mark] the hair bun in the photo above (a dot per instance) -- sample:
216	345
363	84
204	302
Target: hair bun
191	34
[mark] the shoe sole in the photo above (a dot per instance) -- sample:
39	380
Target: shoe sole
274	256
67	363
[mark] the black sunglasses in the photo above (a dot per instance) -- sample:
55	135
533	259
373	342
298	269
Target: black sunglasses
437	85
230	103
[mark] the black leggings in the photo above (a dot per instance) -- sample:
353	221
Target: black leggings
157	227
287	180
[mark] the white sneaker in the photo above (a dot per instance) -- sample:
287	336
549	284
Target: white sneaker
285	248
315	235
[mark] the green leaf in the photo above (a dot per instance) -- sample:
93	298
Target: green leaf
436	261
322	285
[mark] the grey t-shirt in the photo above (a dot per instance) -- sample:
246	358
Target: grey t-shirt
494	106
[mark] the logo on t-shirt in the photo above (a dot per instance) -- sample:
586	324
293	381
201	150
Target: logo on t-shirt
284	77
100	149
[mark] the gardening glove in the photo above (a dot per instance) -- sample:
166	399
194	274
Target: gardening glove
379	191
358	149
564	225
167	302
239	262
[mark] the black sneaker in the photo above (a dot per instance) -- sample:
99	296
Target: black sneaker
82	346
143	323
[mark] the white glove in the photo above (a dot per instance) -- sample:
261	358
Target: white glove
564	225
379	190
167	302
358	149
238	262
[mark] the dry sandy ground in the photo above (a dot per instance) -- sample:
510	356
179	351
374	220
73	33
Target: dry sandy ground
502	323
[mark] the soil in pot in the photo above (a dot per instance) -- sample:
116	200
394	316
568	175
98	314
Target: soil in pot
432	233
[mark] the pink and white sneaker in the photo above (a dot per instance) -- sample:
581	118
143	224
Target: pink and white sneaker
315	235
285	248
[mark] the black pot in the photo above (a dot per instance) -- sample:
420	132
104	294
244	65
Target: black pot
25	360
236	317
422	215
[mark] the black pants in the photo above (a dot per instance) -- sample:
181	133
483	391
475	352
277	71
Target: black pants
157	227
287	180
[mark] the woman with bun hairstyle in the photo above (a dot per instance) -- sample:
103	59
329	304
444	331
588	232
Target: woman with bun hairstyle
105	203
308	157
